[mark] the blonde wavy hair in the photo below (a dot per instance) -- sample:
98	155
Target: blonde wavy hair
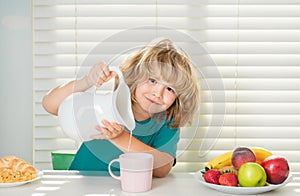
175	68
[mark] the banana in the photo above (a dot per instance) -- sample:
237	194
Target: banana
260	153
225	159
220	161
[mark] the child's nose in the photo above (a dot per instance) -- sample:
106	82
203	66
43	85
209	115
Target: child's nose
158	90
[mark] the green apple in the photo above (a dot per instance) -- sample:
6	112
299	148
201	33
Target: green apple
252	175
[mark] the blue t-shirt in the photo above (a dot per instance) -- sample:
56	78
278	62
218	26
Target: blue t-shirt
95	155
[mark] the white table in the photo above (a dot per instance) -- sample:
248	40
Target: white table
90	184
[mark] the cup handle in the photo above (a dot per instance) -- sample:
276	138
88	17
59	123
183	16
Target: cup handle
109	169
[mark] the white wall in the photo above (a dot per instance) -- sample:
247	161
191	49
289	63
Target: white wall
16	79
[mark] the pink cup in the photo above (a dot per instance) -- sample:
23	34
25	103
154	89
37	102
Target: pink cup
135	171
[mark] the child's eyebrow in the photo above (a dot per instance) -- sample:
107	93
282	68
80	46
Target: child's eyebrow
159	80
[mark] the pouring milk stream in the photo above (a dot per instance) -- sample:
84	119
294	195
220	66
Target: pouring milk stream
80	112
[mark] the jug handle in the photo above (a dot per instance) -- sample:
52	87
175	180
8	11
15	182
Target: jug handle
119	73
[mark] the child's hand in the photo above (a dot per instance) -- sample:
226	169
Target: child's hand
99	74
110	131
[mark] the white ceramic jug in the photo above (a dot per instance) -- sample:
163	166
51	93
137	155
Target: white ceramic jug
80	112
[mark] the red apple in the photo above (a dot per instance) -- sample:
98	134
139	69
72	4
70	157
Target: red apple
241	155
277	169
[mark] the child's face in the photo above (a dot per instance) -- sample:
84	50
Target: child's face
154	96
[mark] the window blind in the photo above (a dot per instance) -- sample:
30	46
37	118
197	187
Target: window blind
247	53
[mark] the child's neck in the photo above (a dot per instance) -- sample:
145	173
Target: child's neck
139	114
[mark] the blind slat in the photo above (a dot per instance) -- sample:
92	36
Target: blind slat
244	84
226	72
240	120
249	60
146	2
54	144
168	11
243	132
205	23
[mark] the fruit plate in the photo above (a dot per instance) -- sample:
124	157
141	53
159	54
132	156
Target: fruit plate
39	175
241	190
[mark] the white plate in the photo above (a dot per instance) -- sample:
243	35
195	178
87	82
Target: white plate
241	190
39	175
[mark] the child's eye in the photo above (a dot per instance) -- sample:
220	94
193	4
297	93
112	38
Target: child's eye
170	89
152	80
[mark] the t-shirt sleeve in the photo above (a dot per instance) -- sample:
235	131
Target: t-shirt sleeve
166	140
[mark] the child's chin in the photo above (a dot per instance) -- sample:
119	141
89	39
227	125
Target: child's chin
156	109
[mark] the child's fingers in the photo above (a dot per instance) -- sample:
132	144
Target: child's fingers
107	124
103	130
112	126
117	128
105	71
112	129
99	83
